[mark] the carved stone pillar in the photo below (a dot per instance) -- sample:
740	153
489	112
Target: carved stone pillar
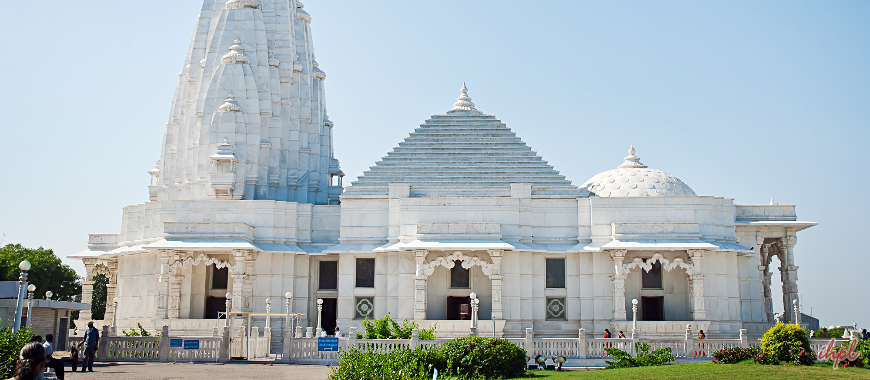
111	274
618	279
174	306
243	281
420	279
495	276
766	299
789	276
88	288
163	285
696	286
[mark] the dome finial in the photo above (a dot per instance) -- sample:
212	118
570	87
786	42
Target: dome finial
632	161
463	103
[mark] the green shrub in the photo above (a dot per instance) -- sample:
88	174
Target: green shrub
735	355
10	347
832	333
463	358
786	343
644	358
387	328
863	348
476	357
400	364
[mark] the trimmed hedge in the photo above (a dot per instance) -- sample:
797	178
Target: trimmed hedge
463	358
786	343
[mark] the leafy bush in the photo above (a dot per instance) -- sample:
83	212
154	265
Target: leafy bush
141	332
10	347
477	357
387	328
832	333
786	343
463	358
644	358
400	364
735	355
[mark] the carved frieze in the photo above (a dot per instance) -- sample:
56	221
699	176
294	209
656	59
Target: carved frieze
655	228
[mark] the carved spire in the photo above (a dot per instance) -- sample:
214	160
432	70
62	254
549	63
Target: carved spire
230	105
236	54
463	103
632	161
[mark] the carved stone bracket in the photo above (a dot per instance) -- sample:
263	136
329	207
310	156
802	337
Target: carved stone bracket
450	261
657	257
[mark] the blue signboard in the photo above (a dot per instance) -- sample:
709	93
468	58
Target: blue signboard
175	343
191	344
327	344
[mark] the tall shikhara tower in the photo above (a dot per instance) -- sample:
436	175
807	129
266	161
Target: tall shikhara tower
248	120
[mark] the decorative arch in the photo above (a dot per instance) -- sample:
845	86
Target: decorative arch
450	261
202	258
666	264
103	269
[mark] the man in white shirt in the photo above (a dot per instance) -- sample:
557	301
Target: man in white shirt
51	362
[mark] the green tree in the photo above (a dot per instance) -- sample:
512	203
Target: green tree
47	271
98	301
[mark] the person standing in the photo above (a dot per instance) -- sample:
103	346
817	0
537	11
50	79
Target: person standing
51	362
864	334
92	340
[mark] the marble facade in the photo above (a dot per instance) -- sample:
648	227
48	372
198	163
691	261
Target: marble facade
247	187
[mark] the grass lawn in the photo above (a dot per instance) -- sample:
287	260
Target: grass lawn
745	370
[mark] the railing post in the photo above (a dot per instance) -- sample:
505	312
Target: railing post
351	337
309	332
104	343
530	342
298	332
415	338
163	350
581	344
224	353
744	340
690	344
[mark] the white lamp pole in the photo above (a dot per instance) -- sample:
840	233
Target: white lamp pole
30	289
633	317
287	296
227	315
269	311
473	305
797	314
319	312
22	294
114	316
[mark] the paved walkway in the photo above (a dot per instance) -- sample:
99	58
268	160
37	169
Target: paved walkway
167	371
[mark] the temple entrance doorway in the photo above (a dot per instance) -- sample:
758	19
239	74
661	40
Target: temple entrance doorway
458	308
214	305
329	315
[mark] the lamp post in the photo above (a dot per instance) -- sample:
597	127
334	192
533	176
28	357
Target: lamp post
227	315
797	314
268	311
474	303
22	293
114	316
30	289
288	325
48	295
319	312
633	317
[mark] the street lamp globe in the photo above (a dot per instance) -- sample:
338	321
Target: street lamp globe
473	295
48	295
229	296
24	265
794	302
288	295
31	288
634	301
320	301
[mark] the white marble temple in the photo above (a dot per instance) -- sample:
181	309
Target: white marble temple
247	198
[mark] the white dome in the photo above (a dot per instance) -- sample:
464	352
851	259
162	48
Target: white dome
634	179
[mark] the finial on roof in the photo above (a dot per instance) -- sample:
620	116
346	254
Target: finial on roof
772	202
235	55
230	105
463	103
632	161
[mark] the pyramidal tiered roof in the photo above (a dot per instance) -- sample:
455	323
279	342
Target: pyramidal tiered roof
462	153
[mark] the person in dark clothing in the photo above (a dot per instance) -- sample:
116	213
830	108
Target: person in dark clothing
31	362
92	340
51	362
864	334
607	334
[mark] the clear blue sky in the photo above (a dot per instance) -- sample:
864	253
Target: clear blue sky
742	99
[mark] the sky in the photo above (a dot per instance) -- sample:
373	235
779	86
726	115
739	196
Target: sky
742	99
